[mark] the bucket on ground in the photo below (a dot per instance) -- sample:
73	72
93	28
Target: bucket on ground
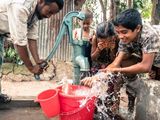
71	104
49	102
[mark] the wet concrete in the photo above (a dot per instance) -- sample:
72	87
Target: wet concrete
22	110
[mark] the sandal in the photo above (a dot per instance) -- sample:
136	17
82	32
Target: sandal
4	98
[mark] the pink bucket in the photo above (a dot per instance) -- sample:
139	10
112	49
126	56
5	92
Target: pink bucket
49	101
70	105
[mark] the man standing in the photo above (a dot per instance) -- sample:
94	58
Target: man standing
19	19
140	45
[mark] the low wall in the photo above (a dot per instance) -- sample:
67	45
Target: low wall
148	100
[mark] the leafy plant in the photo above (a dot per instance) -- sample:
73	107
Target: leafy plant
10	54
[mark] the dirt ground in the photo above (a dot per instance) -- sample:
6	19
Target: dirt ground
55	71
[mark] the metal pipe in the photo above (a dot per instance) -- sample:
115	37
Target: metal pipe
82	62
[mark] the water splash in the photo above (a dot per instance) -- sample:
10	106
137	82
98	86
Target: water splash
65	82
84	74
108	97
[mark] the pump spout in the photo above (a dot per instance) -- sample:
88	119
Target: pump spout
81	65
82	62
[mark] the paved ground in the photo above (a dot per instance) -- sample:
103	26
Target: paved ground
23	87
18	109
27	113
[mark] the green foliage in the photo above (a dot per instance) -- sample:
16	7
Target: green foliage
144	6
146	11
122	6
138	4
10	54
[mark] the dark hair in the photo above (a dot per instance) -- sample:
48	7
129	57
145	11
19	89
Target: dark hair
104	30
59	3
88	13
129	19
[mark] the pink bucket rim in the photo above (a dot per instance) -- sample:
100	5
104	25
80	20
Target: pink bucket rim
42	100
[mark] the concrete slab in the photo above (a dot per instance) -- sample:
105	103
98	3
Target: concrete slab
26	90
27	113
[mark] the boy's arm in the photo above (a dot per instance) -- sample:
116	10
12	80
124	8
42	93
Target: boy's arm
116	63
142	67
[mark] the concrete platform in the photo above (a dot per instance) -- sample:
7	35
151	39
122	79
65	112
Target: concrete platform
13	111
24	93
26	90
22	106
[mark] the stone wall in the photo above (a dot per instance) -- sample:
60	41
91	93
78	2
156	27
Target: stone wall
148	101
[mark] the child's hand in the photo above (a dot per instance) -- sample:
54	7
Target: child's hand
102	45
88	81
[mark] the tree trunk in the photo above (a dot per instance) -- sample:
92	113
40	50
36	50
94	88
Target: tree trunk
78	4
103	7
117	4
130	3
113	9
155	12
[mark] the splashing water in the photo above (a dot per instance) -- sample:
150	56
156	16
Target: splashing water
65	82
108	97
84	74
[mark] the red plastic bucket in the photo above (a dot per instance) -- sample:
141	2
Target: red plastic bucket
70	105
49	101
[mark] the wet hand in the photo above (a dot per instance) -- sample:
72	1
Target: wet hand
102	45
36	70
43	64
88	81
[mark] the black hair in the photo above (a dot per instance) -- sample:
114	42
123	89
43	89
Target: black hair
88	13
129	19
59	3
104	30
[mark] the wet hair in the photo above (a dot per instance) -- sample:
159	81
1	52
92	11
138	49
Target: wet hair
129	19
88	13
104	30
60	3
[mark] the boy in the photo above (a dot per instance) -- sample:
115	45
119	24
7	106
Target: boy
137	41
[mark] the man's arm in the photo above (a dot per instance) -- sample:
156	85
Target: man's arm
142	67
34	50
23	53
17	20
